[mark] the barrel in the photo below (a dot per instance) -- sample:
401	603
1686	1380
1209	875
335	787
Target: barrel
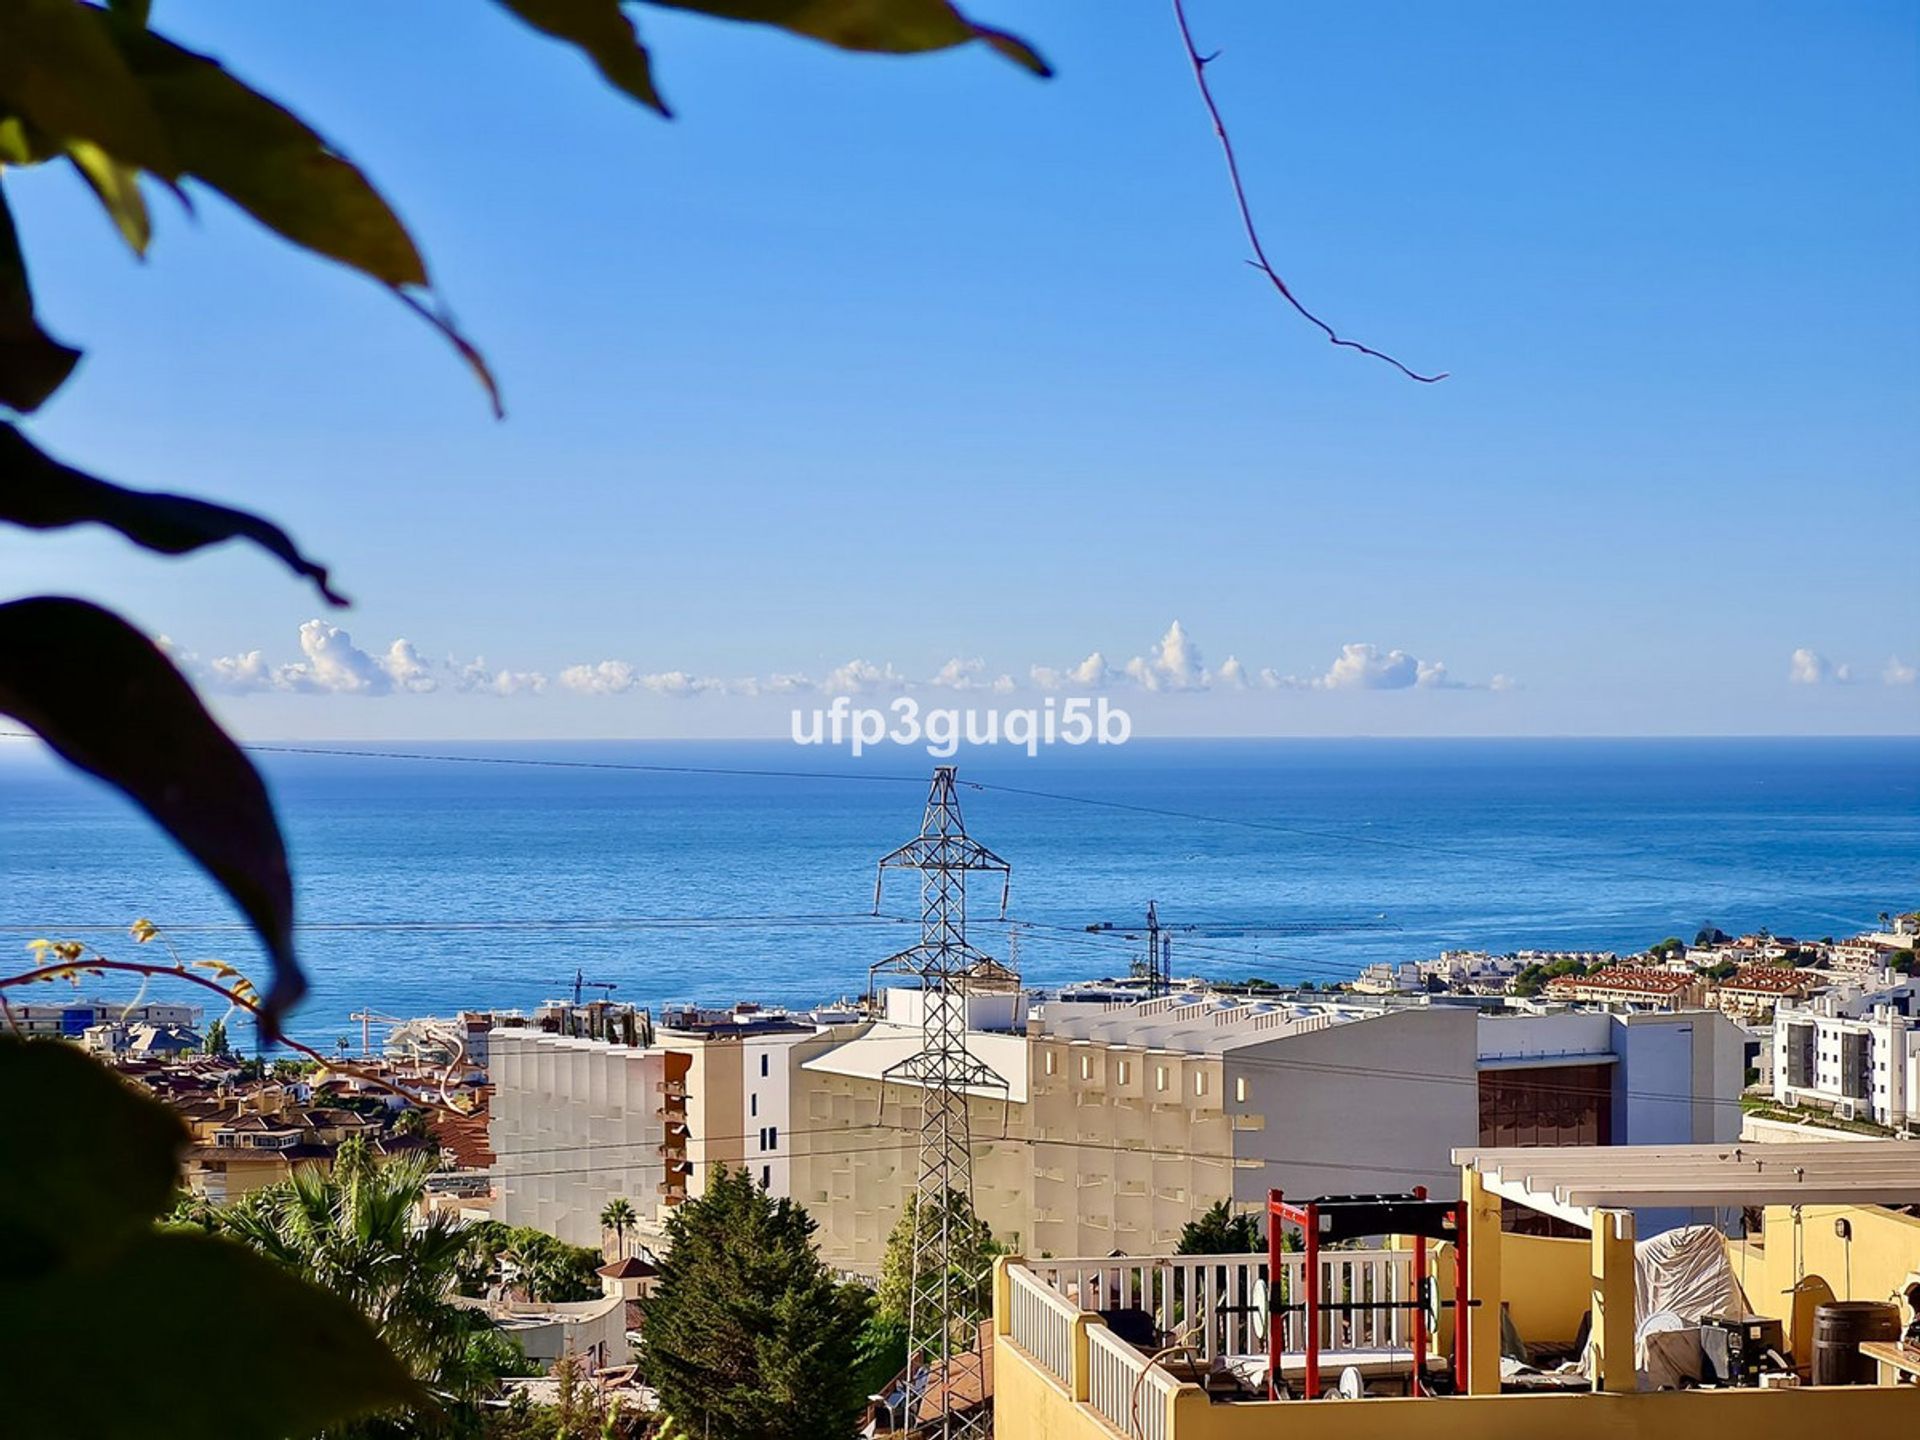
1838	1328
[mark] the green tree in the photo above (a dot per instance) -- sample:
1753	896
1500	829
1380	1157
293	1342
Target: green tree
618	1217
971	1250
355	1232
748	1337
1221	1232
216	1041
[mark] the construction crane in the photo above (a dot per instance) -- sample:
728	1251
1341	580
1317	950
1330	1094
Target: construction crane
1156	965
368	1019
580	983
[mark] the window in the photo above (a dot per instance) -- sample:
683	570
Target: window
753	1104
1199	1082
766	1176
763	1137
1160	1077
1047	1063
773	1134
763	1065
1240	1089
1086	1067
1125	1072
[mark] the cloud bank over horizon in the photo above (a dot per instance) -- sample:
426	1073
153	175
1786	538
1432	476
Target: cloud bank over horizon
330	662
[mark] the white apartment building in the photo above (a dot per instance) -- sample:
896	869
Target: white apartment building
1123	1121
73	1018
1115	1122
1384	979
1855	1050
575	1123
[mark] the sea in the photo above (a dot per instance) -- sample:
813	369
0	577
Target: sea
435	877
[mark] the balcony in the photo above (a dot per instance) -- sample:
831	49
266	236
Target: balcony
1197	1367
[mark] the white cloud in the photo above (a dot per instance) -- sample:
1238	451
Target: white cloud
1092	673
334	665
1364	667
609	677
1503	683
1899	672
241	674
476	677
1174	665
959	674
858	677
1810	667
1233	674
407	670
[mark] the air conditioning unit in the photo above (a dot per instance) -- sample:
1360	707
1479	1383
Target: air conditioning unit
1846	1110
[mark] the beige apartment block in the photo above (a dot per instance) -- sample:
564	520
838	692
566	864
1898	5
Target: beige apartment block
574	1124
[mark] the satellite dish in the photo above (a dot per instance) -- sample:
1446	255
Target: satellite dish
1257	1300
1352	1387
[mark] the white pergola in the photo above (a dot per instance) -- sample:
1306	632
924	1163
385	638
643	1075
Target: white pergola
1572	1182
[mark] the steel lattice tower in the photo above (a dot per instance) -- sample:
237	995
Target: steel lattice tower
944	1072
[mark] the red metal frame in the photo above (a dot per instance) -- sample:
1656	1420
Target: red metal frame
1307	1217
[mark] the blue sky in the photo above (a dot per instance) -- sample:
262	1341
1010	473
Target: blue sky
909	362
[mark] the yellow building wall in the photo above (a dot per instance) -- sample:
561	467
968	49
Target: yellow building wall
1030	1405
1664	1415
1884	1248
1548	1284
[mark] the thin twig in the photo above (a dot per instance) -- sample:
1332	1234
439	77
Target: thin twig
1260	261
69	969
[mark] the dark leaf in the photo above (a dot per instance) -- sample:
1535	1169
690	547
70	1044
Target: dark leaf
104	697
890	26
209	1304
602	30
265	159
275	167
60	68
86	1161
32	363
39	492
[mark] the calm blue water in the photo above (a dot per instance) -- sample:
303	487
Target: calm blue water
426	885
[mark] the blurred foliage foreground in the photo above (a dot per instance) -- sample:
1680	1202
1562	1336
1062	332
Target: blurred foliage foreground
211	1337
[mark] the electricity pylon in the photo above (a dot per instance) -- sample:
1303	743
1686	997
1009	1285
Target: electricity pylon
944	1072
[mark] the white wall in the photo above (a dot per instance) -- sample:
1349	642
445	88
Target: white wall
1366	1107
573	1126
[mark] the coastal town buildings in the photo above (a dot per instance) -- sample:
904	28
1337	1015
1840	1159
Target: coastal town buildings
73	1018
1854	1051
1634	985
1751	994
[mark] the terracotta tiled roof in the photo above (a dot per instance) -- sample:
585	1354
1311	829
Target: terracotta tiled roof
1766	980
1664	982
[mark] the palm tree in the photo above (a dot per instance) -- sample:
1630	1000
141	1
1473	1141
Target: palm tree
353	1231
619	1218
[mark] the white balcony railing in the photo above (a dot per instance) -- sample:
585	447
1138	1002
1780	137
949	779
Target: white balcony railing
1042	1323
1209	1302
1129	1391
